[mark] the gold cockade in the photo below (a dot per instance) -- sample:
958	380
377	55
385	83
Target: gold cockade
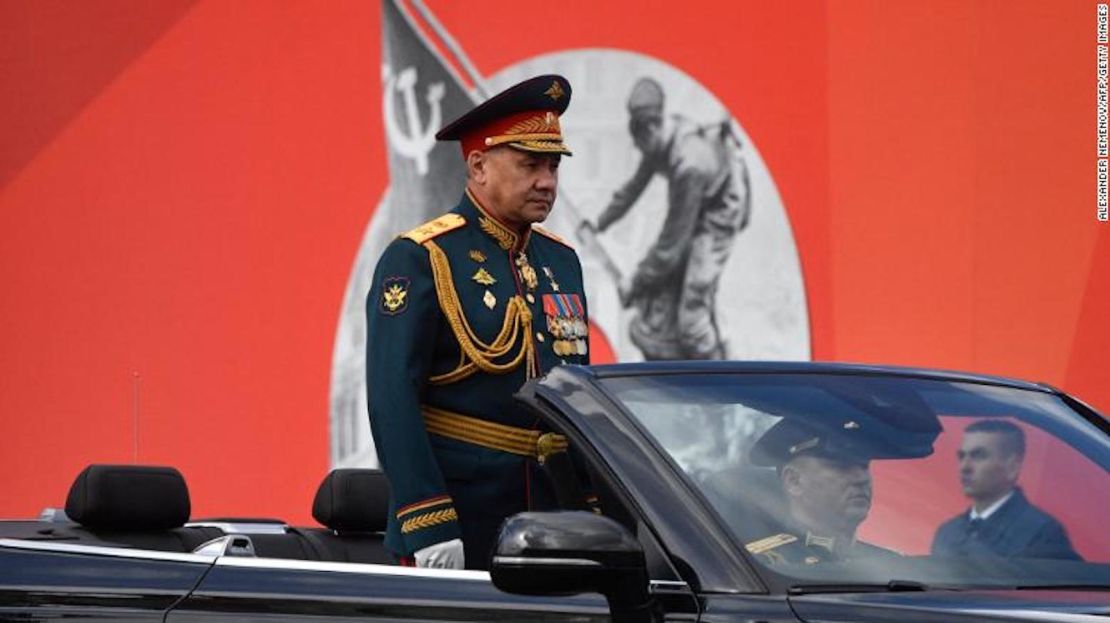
555	91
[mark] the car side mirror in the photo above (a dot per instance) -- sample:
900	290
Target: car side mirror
564	553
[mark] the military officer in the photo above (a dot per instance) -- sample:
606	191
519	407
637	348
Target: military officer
461	312
824	469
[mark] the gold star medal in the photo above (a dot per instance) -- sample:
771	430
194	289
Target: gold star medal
551	278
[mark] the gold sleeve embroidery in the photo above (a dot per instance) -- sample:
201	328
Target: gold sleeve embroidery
427	520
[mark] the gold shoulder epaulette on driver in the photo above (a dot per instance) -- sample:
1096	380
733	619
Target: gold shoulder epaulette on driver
769	543
435	227
547	234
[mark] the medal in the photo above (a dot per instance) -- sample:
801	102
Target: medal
527	273
551	278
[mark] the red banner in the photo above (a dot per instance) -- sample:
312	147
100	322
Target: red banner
189	191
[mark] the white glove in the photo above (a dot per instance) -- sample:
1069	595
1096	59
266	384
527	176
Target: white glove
445	555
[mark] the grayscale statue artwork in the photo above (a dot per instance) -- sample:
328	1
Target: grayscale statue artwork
674	287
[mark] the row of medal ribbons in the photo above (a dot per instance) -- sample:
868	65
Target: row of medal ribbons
566	321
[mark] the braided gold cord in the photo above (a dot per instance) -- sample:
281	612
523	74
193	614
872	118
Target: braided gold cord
462	370
521	138
517	325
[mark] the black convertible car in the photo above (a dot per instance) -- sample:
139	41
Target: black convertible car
712	478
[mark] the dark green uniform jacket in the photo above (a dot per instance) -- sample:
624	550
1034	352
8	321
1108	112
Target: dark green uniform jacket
461	312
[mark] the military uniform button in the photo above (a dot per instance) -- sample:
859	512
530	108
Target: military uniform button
539	336
531	299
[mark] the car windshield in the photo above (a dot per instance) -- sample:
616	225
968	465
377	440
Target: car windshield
832	479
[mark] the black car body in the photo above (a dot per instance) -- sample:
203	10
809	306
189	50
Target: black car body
670	545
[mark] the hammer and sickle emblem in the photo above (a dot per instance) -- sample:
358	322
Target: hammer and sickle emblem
419	141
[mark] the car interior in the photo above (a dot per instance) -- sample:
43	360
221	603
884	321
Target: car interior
147	507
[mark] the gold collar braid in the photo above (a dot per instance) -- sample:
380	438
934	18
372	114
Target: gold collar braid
506	238
476	354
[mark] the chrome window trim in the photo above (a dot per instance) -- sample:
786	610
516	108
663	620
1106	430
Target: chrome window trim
581	563
353	567
287	564
668	586
252	563
242	527
101	550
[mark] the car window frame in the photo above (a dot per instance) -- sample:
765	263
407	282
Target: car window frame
700	548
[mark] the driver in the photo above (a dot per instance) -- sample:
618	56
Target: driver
825	475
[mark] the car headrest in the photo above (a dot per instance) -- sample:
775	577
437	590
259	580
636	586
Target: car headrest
353	500
129	497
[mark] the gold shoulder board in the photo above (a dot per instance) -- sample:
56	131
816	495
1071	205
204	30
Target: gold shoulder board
547	234
769	543
435	227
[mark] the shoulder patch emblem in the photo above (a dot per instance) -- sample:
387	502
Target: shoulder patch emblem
543	232
764	545
435	227
395	293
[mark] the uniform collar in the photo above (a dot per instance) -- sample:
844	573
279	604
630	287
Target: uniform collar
827	542
506	238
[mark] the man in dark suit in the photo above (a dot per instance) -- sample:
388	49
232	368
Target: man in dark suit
1001	521
462	311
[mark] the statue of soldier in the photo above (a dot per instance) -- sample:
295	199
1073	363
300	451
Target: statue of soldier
674	286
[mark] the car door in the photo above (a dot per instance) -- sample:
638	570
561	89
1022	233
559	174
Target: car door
691	558
54	581
256	589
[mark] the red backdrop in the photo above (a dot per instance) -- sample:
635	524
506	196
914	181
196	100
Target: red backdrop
184	185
